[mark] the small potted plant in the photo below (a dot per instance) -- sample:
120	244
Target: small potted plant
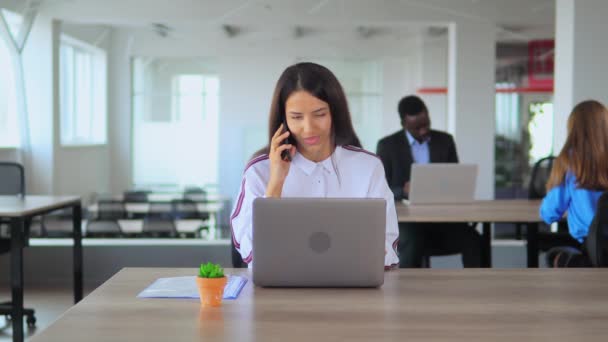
211	282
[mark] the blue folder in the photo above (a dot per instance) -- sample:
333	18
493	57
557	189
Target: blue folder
185	287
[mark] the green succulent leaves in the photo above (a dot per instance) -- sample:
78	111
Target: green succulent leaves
210	270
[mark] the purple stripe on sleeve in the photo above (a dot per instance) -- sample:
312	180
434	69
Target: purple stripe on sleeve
249	258
239	204
237	210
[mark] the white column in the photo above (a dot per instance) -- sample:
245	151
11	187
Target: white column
434	70
581	47
119	111
471	98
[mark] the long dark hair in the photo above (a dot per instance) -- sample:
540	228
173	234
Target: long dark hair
586	148
322	84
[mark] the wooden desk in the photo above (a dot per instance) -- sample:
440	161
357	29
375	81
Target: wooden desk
19	211
414	304
485	212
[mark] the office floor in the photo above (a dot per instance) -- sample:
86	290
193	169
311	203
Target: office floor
49	304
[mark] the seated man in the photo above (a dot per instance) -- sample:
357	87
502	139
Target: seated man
418	143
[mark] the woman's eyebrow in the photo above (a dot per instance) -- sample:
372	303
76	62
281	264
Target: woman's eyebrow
318	110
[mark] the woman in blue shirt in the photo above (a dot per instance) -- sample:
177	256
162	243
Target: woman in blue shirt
580	172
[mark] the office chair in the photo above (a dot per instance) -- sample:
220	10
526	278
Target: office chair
194	190
597	240
432	251
136	196
537	190
59	224
105	223
12	182
103	228
595	250
111	210
186	209
159	221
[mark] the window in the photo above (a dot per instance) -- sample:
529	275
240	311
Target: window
82	93
541	130
13	20
175	123
9	125
524	134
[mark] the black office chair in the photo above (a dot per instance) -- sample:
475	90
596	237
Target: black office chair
37	228
111	210
183	209
12	182
136	196
439	251
194	190
159	221
59	224
597	240
595	253
103	228
537	190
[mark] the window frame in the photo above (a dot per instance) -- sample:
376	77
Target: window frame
98	96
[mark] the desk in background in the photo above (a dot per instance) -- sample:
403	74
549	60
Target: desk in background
485	212
413	304
20	210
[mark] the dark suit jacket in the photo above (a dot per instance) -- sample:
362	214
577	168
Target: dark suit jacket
396	155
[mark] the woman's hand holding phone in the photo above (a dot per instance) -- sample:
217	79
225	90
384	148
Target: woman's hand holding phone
279	168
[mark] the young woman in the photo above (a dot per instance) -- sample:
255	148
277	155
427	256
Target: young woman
580	173
322	159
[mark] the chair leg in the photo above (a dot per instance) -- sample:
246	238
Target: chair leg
518	234
30	314
426	262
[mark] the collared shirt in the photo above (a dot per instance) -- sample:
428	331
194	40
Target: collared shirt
580	204
420	150
360	174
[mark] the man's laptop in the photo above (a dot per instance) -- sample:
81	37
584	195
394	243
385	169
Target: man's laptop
438	183
318	242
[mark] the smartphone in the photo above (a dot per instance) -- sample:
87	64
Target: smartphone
286	155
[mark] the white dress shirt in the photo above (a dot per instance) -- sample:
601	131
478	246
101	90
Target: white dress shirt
360	174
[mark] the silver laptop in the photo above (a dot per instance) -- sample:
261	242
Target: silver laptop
438	183
318	242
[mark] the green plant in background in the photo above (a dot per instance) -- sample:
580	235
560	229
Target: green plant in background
210	270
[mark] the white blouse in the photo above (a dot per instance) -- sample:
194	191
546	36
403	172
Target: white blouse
360	174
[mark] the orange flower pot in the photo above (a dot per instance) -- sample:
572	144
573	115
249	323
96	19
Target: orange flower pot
211	290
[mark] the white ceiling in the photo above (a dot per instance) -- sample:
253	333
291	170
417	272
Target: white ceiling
515	19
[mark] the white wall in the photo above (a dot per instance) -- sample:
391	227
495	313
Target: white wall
399	79
38	74
434	74
471	98
580	66
119	107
